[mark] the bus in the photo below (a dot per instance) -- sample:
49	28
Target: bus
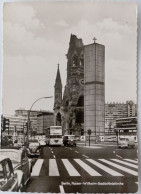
126	131
54	135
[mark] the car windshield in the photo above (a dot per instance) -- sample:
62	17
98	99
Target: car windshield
14	156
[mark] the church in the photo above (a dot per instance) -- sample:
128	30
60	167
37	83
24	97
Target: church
81	106
69	107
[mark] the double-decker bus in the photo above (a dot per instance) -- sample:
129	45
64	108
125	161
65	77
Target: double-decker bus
54	135
127	129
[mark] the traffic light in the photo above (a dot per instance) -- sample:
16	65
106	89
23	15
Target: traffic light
6	123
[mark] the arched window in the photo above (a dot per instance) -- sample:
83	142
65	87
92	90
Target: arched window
80	101
75	60
80	117
67	103
82	60
58	119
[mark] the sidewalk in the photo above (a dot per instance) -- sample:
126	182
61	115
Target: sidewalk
96	145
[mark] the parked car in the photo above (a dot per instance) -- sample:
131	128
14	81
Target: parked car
6	142
69	140
33	148
126	142
19	161
19	142
10	180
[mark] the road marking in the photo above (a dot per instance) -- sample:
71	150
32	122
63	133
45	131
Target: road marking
85	156
54	156
70	148
71	170
136	162
87	168
37	167
53	169
126	163
61	189
76	151
120	167
119	156
52	152
106	169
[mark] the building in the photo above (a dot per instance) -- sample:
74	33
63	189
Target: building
17	125
94	89
115	111
33	117
69	109
18	122
44	120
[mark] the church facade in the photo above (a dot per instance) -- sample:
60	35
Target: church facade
82	105
69	107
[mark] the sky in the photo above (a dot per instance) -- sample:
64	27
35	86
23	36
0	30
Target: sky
36	38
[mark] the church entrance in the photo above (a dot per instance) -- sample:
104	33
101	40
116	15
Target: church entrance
79	117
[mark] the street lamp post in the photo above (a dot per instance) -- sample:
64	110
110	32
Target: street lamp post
28	126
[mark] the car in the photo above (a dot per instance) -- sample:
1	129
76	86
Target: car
42	142
33	148
126	142
19	142
10	180
19	161
69	140
6	142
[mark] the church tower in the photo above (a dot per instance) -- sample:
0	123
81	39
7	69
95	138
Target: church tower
73	98
58	90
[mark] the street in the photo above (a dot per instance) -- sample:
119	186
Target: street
99	168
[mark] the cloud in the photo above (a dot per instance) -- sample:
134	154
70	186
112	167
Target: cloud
17	13
35	40
109	25
62	23
119	39
21	41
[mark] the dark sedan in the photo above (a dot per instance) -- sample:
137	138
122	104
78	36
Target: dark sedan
33	148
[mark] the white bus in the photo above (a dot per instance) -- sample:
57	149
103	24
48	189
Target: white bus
127	131
54	135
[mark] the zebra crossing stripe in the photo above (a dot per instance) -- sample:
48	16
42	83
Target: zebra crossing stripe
61	189
106	169
71	170
120	167
37	167
126	163
53	168
133	161
87	168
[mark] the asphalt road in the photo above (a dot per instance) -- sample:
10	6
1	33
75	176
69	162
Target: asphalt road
98	169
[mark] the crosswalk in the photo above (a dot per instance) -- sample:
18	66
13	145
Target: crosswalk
92	167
